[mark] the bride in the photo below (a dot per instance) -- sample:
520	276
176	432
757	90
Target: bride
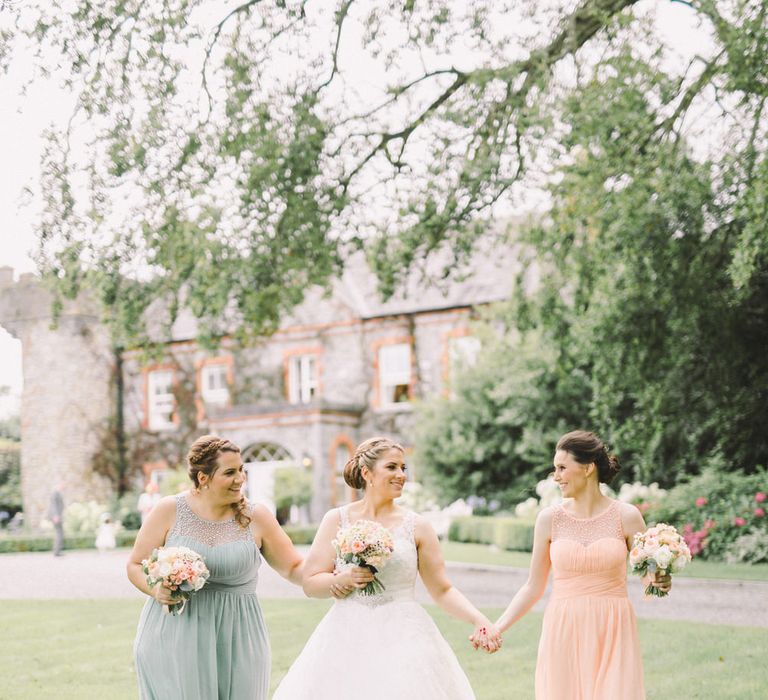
381	646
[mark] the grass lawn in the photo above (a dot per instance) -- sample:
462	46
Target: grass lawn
485	554
81	650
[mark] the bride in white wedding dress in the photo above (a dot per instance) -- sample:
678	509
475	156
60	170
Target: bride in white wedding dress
383	646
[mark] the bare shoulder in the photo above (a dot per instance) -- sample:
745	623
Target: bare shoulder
544	518
260	513
165	508
631	517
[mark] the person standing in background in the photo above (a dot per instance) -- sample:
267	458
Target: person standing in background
56	516
148	500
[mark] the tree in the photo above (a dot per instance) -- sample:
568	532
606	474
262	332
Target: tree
641	298
225	157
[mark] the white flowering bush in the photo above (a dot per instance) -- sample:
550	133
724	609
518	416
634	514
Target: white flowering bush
637	492
549	494
418	498
83	518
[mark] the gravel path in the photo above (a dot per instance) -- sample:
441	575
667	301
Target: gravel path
86	574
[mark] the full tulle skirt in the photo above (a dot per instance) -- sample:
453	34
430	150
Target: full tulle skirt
391	651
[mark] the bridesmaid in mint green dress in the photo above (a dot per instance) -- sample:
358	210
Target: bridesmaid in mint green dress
218	648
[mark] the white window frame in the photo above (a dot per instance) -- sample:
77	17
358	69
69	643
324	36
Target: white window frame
218	394
160	404
394	371
302	378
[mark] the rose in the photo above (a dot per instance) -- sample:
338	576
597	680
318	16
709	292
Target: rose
663	557
759	512
679	563
739	522
701	501
760	496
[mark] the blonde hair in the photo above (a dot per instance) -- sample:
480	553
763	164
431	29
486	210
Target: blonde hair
202	458
366	455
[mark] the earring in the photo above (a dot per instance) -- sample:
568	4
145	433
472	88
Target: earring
206	486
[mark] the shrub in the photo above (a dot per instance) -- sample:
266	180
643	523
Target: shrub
44	543
505	533
716	509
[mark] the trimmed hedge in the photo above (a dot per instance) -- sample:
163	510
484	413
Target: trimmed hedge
124	538
506	533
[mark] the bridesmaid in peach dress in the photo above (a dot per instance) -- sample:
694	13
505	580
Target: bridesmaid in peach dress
589	647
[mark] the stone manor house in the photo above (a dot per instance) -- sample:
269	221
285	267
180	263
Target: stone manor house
344	366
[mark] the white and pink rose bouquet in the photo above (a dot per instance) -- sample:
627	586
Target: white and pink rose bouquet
179	569
661	550
368	544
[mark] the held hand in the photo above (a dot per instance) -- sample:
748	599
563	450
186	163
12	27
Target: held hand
487	637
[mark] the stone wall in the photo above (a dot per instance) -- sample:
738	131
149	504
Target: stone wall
66	396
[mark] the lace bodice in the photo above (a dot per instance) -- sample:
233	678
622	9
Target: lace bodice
605	525
399	573
209	532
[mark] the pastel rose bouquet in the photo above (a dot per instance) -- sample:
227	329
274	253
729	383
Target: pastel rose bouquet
659	550
368	544
179	569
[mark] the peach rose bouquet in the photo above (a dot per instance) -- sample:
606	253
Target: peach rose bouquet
659	550
365	543
179	569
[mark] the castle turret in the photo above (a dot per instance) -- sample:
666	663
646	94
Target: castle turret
67	366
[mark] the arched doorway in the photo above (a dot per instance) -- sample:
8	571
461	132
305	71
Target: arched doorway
261	460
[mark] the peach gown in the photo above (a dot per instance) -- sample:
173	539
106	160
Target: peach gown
589	647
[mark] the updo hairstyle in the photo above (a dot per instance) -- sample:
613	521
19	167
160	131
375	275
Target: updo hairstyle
587	448
202	458
366	455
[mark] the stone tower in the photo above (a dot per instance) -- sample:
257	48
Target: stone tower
65	401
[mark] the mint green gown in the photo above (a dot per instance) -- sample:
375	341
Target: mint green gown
217	649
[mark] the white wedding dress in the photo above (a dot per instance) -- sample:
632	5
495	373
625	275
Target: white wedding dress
378	647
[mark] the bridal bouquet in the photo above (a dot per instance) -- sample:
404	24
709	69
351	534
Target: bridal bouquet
365	543
180	569
660	549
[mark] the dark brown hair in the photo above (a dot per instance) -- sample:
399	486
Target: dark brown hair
203	458
366	455
587	448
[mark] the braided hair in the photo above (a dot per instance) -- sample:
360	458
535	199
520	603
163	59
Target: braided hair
202	458
366	455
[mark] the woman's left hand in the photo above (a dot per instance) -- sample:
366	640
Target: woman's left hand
340	590
662	581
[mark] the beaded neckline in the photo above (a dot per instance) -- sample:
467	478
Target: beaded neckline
594	517
200	517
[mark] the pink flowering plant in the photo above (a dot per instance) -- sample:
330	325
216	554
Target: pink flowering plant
364	543
659	550
720	511
180	569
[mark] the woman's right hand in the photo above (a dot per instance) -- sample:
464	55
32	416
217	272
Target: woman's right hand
353	577
163	595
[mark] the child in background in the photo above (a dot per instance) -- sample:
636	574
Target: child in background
105	537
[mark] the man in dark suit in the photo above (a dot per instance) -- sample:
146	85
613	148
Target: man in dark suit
56	516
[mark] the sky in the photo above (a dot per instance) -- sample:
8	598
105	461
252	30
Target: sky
24	119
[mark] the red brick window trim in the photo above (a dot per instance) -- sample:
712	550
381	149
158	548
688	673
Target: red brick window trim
342	448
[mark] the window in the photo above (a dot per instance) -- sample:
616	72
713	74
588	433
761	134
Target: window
160	400
214	387
302	378
394	373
